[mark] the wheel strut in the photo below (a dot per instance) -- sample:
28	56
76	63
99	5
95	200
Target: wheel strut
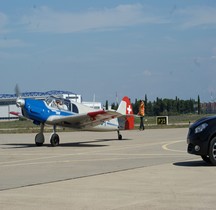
39	138
119	135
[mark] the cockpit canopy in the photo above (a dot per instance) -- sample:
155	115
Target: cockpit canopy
61	104
58	103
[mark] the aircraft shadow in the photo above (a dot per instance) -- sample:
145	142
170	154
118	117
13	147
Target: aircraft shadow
79	144
17	146
70	144
195	163
88	143
76	144
101	140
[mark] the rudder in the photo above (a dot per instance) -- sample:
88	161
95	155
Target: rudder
125	108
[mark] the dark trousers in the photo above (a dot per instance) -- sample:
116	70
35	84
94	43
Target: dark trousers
142	127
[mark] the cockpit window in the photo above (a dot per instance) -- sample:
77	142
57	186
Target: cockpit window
75	108
49	101
58	103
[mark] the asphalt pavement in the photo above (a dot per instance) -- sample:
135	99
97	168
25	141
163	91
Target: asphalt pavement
146	170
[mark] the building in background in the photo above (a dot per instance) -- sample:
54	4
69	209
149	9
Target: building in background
208	108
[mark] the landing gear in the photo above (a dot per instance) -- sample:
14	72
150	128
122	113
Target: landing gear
54	140
119	135
39	138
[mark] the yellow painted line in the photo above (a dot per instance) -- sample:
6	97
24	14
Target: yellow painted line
166	146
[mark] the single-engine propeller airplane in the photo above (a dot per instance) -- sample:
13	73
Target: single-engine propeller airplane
65	113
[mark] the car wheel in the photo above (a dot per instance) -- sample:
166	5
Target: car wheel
212	151
206	159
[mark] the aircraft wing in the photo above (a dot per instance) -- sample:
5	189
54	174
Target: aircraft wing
86	120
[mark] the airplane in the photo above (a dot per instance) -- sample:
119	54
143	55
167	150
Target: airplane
65	113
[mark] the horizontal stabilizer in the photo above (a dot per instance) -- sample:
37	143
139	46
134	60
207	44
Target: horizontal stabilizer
16	114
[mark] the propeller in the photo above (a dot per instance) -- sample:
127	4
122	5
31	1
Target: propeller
20	102
17	91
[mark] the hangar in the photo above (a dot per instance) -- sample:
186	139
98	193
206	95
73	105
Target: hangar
8	101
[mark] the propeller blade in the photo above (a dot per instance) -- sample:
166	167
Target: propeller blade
17	91
20	102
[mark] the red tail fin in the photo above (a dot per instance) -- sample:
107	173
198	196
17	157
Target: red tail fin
129	122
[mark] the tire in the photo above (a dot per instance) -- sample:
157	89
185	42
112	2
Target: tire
206	159
54	141
212	151
39	139
119	137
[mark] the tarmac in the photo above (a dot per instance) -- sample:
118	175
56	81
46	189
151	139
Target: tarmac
146	170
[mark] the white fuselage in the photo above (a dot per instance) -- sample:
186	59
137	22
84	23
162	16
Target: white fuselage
111	125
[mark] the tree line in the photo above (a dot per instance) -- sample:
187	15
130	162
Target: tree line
166	106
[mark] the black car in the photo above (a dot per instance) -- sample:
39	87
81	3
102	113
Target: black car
201	139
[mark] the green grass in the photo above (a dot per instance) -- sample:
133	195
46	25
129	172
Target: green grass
16	124
23	126
26	126
173	121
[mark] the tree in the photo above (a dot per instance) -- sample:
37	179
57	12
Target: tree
135	106
198	105
165	106
107	105
146	103
114	106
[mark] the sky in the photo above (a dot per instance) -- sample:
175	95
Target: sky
158	48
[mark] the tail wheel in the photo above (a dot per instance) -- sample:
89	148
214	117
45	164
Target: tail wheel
212	151
54	141
119	135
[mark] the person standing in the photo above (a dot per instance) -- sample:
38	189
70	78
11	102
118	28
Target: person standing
141	114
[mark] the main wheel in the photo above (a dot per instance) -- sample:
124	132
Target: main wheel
54	141
39	139
119	137
212	151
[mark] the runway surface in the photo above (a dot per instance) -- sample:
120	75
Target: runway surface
146	170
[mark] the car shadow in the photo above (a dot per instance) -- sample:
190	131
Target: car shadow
191	163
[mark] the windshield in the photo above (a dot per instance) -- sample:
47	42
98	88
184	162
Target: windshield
58	103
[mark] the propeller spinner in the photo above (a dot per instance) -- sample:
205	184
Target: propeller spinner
20	102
